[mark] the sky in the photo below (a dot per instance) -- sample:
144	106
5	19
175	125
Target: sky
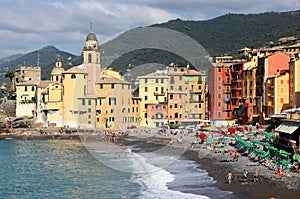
28	25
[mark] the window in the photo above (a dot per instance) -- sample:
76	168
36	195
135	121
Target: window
171	106
133	109
146	81
89	110
101	86
146	89
156	89
162	81
219	88
180	78
112	86
219	70
112	101
175	105
180	88
171	87
146	97
25	88
89	58
111	119
219	96
281	81
172	80
171	96
83	102
90	102
219	104
99	102
219	114
281	100
32	88
156	81
219	78
111	110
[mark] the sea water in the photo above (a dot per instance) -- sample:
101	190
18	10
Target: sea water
70	169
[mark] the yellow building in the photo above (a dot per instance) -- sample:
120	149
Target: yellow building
153	91
294	68
74	86
113	102
277	94
186	96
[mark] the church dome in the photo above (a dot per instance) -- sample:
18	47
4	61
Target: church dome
57	71
91	36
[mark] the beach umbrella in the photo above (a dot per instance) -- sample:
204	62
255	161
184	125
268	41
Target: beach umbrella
223	138
251	133
272	148
203	136
209	141
284	152
296	157
285	162
255	141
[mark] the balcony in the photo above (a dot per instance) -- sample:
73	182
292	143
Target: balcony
159	93
227	109
196	101
236	88
236	80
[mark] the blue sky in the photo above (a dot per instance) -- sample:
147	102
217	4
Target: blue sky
27	25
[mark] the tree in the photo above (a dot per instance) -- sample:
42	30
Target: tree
10	74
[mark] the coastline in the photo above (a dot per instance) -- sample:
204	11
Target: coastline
217	167
213	163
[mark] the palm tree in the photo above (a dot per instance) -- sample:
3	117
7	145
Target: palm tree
10	74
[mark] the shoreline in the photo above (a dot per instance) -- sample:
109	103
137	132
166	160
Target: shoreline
213	163
217	167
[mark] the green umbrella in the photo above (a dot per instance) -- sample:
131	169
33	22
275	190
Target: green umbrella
272	148
284	162
223	138
255	141
209	141
283	152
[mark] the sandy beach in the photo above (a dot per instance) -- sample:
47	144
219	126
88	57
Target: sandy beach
217	167
215	164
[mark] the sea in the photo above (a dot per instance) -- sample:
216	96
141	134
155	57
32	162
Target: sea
72	169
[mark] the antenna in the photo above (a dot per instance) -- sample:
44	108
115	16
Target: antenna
91	26
38	60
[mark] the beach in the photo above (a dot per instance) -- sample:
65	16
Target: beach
217	167
215	164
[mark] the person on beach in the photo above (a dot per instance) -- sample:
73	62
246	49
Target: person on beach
229	177
255	177
245	175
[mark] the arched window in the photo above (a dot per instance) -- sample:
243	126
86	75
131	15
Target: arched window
89	58
73	76
56	78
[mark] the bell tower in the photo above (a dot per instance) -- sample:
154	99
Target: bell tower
91	60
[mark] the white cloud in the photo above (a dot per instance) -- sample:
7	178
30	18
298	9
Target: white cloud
29	24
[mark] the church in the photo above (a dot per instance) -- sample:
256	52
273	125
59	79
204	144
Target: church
84	96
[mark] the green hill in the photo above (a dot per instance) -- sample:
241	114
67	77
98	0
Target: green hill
222	35
45	58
